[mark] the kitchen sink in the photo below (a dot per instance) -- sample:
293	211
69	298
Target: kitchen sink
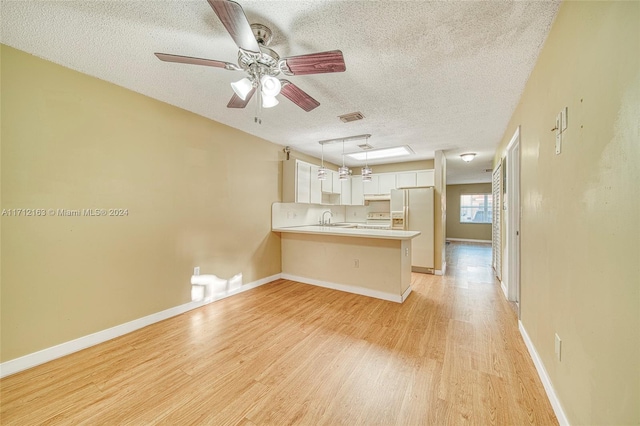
341	225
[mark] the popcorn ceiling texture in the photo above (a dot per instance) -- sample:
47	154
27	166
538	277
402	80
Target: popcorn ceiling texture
434	75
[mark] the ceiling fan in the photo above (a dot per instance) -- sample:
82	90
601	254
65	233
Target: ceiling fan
262	64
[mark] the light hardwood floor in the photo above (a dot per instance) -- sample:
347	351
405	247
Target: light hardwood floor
290	353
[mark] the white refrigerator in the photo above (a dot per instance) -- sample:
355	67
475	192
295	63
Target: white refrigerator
412	210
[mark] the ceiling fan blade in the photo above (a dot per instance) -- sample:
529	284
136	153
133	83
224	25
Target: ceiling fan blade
195	61
314	63
298	96
234	20
237	102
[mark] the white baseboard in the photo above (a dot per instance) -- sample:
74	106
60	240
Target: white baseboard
469	240
347	288
406	294
441	271
49	354
544	377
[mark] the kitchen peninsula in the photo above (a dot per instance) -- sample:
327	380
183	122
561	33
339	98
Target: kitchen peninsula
370	262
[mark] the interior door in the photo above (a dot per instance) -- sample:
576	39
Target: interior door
513	219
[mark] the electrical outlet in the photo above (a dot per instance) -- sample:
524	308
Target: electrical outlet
196	270
356	263
558	347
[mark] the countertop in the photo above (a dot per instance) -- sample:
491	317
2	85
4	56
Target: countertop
386	234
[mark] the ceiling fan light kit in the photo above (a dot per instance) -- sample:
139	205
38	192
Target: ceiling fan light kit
261	63
242	88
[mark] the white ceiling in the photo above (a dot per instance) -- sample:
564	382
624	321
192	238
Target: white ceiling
442	75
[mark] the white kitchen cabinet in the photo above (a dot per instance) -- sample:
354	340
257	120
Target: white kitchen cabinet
357	193
371	187
345	194
315	196
303	182
386	183
327	184
337	184
425	178
406	179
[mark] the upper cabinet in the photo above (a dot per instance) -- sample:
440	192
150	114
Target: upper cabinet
371	187
386	183
315	197
357	193
301	185
425	178
406	180
303	182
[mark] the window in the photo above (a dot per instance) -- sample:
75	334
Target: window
476	208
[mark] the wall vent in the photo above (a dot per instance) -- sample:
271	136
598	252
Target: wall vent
352	116
488	170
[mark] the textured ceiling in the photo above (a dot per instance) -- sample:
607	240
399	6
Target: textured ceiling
442	75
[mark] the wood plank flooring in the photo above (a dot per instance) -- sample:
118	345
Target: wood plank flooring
290	353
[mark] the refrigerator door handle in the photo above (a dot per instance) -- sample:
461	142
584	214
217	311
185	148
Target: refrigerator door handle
406	218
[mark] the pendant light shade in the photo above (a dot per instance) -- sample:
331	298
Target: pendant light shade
242	88
366	174
343	173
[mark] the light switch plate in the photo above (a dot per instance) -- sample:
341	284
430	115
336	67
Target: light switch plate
558	143
558	348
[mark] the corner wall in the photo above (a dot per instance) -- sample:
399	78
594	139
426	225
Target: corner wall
580	233
196	193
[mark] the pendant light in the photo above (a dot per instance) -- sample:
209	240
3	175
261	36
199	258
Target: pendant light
366	170
343	172
322	171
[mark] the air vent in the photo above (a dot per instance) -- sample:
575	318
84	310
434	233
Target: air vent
365	146
353	116
488	170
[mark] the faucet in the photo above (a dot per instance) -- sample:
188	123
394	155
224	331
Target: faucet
325	212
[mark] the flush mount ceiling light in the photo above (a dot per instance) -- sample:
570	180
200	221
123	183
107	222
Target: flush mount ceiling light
376	154
468	156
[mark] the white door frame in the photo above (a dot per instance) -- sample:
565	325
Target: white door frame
512	220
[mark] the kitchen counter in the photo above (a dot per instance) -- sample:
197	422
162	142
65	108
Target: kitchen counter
350	232
370	262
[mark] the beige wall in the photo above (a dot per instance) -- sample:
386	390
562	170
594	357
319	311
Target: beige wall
580	274
198	193
469	231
